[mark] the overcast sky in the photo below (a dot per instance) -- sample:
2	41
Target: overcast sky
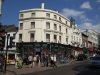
85	12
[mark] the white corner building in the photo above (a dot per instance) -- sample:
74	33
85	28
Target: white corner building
36	25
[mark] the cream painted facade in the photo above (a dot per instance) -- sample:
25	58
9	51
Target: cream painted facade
48	26
93	37
76	37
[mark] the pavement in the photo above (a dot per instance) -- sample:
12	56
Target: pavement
11	70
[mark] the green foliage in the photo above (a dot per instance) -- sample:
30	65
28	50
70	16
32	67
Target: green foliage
8	28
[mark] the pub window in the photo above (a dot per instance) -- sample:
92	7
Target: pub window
47	37
60	39
48	15
60	28
21	15
32	25
59	18
47	25
21	26
20	37
55	26
32	37
55	38
33	14
66	22
55	16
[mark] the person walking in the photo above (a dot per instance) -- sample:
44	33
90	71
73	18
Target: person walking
2	61
37	60
18	62
46	61
30	60
53	62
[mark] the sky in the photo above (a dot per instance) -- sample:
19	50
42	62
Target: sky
85	12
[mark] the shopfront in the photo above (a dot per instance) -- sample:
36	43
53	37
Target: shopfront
46	48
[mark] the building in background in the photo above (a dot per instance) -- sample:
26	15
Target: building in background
76	40
92	41
85	43
11	52
1	1
99	41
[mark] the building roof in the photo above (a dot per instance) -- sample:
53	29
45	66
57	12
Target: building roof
46	10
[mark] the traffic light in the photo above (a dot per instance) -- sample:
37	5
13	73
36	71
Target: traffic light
2	39
11	42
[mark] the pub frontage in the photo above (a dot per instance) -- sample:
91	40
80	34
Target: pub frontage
39	48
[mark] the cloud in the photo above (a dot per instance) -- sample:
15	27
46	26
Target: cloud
89	25
86	5
74	13
80	15
97	27
98	1
71	12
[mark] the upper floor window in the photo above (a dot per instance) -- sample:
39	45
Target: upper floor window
66	40
32	37
47	37
33	14
20	37
55	38
55	26
48	15
55	16
79	40
32	25
60	28
72	38
47	25
59	18
60	39
14	35
66	22
21	26
66	31
21	15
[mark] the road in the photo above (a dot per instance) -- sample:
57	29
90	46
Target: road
79	68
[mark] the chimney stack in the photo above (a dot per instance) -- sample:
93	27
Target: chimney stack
42	6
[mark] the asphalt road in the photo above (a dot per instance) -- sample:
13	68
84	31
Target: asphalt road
79	68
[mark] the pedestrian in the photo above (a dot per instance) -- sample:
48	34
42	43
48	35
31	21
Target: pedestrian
37	60
34	60
30	60
2	61
46	60
42	59
18	62
25	60
53	62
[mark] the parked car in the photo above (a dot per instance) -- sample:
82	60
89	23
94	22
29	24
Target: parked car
95	61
